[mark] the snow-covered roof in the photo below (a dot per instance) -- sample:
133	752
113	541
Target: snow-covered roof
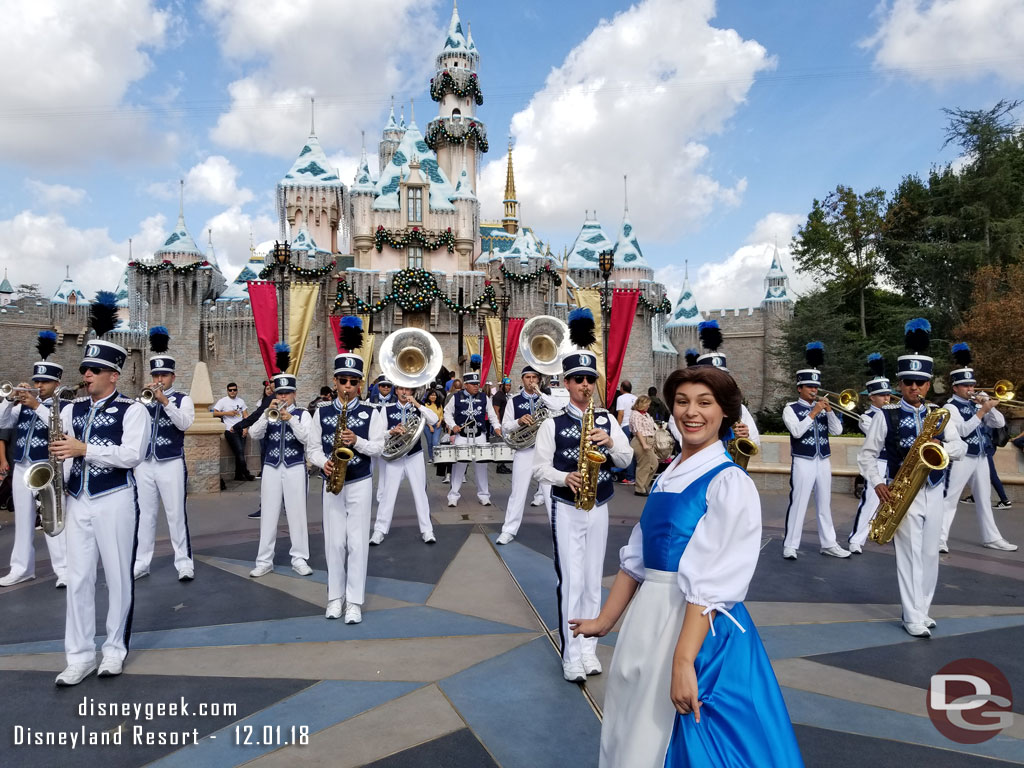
303	242
464	186
121	292
238	290
659	339
179	242
456	40
311	168
590	242
441	189
64	291
5	286
627	249
363	182
685	312
776	282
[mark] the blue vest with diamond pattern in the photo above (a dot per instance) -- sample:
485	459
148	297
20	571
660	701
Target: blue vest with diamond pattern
102	424
31	436
394	415
567	454
813	442
968	410
166	441
525	405
358	420
874	411
281	444
901	432
469	408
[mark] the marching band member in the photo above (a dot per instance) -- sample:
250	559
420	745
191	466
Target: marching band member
967	416
879	390
105	439
383	396
579	535
809	424
162	476
519	413
465	417
411	465
347	514
917	538
29	416
711	339
284	472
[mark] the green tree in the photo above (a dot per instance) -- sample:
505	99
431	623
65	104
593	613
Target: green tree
838	244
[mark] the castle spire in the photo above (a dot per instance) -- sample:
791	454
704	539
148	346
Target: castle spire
181	200
312	116
625	194
511	220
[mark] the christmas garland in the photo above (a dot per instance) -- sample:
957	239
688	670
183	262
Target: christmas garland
439	129
414	290
178	269
323	271
446	83
400	238
663	307
537	274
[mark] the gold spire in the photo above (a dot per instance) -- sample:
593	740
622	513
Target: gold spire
511	220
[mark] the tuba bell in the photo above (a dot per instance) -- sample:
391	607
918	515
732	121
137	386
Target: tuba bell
410	358
543	342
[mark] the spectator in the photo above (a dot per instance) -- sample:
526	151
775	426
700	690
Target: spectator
231	410
624	407
456	386
325	396
499	401
451	381
658	410
642	426
990	450
6	500
434	402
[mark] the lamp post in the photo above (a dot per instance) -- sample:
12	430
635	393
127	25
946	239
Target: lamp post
282	261
606	262
503	301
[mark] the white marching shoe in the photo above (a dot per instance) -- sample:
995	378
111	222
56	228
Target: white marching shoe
505	538
376	538
592	664
73	674
353	613
788	553
334	609
573	671
110	667
260	570
835	551
10	580
301	567
429	538
856	549
1001	544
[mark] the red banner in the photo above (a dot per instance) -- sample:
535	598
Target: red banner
515	328
485	368
263	298
336	327
620	325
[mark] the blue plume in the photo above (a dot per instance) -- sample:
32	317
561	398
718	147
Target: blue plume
816	345
814	354
710	335
962	354
283	356
46	343
874	356
351	333
475	362
282	347
918	334
580	312
159	338
103	313
47	335
581	327
876	365
707	324
351	321
691	357
918	324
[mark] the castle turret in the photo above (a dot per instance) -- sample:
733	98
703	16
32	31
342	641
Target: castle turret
390	138
511	219
776	287
630	263
361	194
586	251
682	324
467	214
179	247
6	291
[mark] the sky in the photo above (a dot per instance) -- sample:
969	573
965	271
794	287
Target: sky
727	118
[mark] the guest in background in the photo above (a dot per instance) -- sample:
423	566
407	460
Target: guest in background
658	409
231	409
643	427
433	432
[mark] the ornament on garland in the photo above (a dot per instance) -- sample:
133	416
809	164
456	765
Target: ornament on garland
446	83
455	133
663	307
414	290
313	274
400	238
178	269
523	278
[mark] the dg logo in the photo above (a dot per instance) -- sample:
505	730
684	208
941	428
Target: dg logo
718	361
158	362
814	377
585	360
350	363
40	370
915	365
92	350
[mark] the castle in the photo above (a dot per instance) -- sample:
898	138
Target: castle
419	211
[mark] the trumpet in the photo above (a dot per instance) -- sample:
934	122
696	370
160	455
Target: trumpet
7	389
845	402
274	411
149	394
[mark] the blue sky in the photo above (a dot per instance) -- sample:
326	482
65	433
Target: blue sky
728	117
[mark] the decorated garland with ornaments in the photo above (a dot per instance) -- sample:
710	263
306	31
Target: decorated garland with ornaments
313	274
523	278
401	238
663	307
446	83
438	129
178	269
413	290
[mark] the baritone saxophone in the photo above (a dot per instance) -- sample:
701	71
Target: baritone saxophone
589	464
341	455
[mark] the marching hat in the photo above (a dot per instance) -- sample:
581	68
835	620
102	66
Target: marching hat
159	338
473	376
529	369
42	370
879	384
711	339
283	382
347	364
964	374
579	364
916	366
581	334
814	354
100	353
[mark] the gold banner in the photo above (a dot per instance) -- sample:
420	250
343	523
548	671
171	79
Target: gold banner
366	351
301	308
591	299
493	328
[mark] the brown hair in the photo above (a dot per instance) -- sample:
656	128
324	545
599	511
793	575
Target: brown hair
722	385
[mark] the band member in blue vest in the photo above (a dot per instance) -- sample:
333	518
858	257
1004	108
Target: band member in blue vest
162	476
579	535
879	393
383	394
519	413
347	514
104	440
895	430
284	472
967	415
466	416
810	422
28	414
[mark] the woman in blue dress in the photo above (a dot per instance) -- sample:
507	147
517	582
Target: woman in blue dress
690	682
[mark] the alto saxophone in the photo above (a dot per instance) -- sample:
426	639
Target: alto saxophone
923	456
341	455
589	464
46	478
742	449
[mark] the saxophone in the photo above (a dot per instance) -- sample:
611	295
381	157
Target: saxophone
341	455
46	478
922	457
589	464
742	449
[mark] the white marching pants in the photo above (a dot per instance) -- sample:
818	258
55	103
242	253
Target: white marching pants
866	510
162	481
377	475
100	529
810	475
23	554
459	472
580	538
917	554
289	484
411	466
972	469
347	540
522	476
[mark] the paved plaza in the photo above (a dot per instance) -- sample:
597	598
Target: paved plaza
454	663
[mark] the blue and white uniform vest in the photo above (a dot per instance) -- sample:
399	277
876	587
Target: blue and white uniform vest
968	410
873	411
568	427
380	402
907	422
166	441
469	408
814	442
358	420
31	436
399	415
281	444
101	424
525	405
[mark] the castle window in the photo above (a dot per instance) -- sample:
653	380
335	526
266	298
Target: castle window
457	112
415	256
416	204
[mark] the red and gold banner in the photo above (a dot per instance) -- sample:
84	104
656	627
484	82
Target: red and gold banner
515	328
620	325
263	298
301	308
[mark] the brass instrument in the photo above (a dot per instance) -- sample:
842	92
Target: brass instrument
1003	391
589	464
845	402
341	454
741	449
7	389
149	394
923	457
526	435
274	412
46	478
410	358
543	342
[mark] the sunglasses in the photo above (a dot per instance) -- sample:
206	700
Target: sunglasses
581	379
232	390
341	380
91	369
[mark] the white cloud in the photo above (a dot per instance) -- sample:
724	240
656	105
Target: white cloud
636	97
55	195
213	180
231	230
944	40
68	68
316	47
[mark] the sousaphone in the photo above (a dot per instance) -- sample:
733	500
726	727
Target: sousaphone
410	358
